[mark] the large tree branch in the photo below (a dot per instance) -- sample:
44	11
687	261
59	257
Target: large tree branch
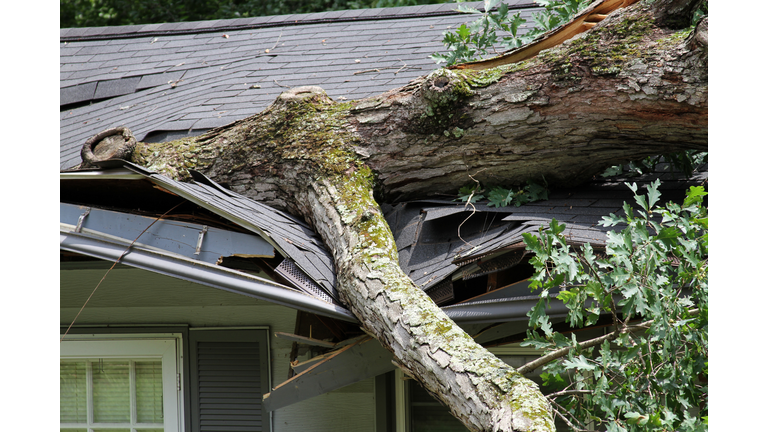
624	90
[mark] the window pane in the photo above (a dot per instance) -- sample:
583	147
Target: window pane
73	430
149	391
72	392
111	430
111	392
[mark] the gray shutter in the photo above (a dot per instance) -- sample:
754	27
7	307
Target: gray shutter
229	377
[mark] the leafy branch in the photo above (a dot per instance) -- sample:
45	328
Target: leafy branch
686	162
499	196
646	376
495	30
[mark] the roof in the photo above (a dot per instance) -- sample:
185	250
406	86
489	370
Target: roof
170	80
308	259
164	81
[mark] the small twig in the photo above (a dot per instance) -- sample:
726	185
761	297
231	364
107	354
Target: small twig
569	392
559	414
474	210
280	84
405	65
125	252
366	71
278	40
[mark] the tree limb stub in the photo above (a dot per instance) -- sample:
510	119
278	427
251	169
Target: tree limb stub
623	90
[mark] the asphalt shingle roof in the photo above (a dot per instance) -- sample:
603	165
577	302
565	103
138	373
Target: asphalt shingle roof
189	77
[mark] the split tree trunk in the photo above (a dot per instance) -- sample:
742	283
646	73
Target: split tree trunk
626	89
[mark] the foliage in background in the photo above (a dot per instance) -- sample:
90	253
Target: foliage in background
650	371
495	30
686	162
499	196
96	13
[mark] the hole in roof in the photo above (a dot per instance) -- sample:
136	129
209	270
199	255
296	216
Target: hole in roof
159	136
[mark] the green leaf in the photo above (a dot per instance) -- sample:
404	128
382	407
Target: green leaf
499	197
552	380
694	196
567	296
467	9
668	236
636	418
536	191
471	190
532	243
653	193
490	4
610	220
580	363
640	200
555	227
463	31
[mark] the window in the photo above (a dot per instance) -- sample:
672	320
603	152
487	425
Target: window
120	384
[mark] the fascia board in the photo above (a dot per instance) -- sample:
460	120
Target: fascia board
112	174
199	272
130	171
188	239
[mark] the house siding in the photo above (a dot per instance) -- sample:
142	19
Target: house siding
138	301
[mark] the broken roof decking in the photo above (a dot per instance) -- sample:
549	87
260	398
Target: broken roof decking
167	80
290	236
425	232
431	244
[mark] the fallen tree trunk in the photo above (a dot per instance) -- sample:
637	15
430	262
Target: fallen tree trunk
626	89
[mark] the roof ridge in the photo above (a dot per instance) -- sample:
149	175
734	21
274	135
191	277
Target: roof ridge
196	27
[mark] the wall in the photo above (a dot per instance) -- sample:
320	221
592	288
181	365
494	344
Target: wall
136	297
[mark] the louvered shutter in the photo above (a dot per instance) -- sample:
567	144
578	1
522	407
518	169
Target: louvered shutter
230	377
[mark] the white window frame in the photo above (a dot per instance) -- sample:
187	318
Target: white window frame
166	347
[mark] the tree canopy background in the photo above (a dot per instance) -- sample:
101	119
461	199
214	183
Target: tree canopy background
97	13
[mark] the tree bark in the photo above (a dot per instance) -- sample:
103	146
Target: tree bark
626	89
